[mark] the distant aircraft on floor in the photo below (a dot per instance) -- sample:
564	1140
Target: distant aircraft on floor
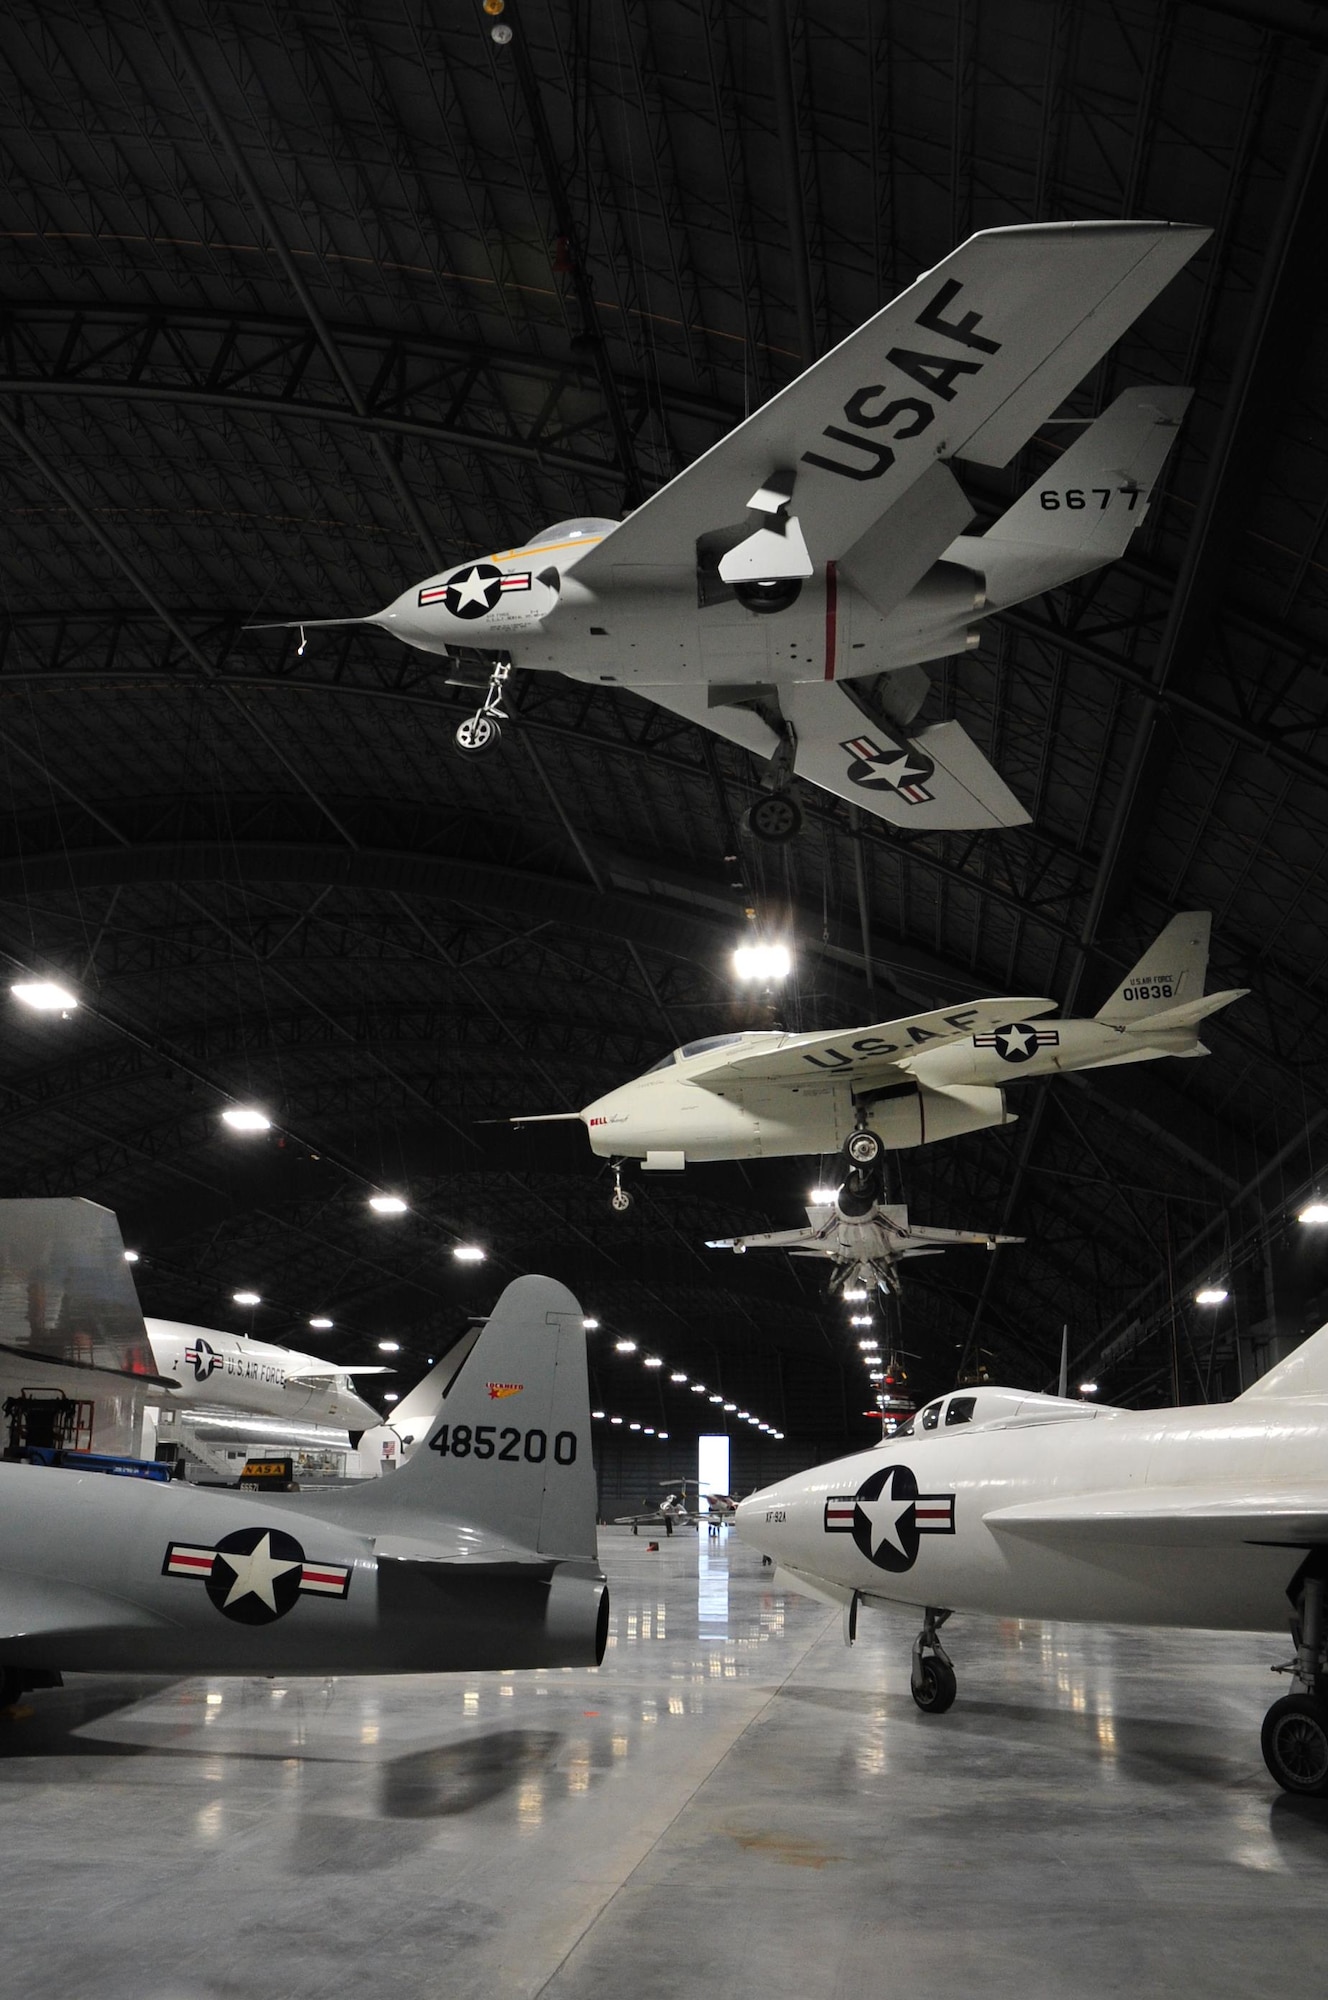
762	1094
671	1512
1028	1506
479	1553
825	541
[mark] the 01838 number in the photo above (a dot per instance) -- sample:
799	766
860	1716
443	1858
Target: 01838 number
509	1445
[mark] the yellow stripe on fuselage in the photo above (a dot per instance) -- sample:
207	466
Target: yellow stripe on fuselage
545	548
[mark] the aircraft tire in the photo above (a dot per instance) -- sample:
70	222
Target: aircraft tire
1295	1745
620	1201
477	735
938	1688
774	818
865	1147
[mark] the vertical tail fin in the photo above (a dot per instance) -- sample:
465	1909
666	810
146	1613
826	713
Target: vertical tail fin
1171	971
509	1450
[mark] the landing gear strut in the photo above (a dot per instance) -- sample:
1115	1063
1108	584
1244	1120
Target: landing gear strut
933	1683
620	1200
777	816
1295	1729
482	731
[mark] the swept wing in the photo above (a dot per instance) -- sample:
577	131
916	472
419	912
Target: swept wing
861	1051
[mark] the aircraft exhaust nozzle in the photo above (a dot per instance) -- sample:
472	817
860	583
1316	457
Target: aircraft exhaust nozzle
576	1626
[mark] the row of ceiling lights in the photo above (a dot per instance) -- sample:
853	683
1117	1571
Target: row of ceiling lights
678	1378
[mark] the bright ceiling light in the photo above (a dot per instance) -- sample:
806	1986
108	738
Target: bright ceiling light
246	1298
744	1414
1088	1388
698	1388
387	1204
649	1431
676	1377
467	1253
855	1294
823	1197
876	1377
652	1361
598	1414
1211	1295
662	1434
590	1325
633	1427
1314	1211
870	1342
131	1256
389	1395
615	1420
389	1347
44	996
719	1399
730	1406
763	961
320	1323
245	1118
860	1319
624	1347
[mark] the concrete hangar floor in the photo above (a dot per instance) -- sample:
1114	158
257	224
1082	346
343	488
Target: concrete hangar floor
732	1803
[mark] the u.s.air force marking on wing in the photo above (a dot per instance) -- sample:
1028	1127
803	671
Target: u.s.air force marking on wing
255	1574
887	1517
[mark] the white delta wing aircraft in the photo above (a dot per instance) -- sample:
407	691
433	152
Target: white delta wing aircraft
1027	1506
763	1094
479	1552
864	1248
825	539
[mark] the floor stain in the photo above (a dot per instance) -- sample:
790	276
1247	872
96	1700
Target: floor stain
779	1847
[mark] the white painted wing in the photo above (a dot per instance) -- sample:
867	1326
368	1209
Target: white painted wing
1174	1515
855	1051
965	364
928	783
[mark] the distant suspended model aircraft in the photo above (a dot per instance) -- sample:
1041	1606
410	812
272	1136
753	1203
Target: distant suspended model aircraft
763	1094
824	541
1028	1506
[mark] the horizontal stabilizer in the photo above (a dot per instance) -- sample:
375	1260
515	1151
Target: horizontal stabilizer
932	782
1189	1013
859	1051
1084	509
1173	1516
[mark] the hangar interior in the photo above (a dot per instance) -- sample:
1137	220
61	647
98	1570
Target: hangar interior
303	304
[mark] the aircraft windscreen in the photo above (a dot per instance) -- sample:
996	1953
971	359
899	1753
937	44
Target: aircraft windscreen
665	1062
710	1042
569	531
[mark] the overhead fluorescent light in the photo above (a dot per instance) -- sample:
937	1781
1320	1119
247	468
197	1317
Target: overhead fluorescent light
387	1204
246	1118
44	996
468	1253
763	961
246	1298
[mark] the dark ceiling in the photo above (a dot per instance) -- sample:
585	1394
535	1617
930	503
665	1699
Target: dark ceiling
299	302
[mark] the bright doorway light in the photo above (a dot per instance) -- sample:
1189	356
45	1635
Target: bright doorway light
712	1466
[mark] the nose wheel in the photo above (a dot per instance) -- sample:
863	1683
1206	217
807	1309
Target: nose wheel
620	1200
483	730
933	1683
1294	1738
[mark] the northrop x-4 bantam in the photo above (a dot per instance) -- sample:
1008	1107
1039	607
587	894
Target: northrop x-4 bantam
479	1552
760	1094
1029	1506
826	539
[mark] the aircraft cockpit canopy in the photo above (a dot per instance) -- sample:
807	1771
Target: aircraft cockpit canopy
993	1406
700	1048
589	525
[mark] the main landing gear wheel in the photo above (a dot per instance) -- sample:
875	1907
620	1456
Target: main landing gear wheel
1295	1745
477	734
774	818
937	1688
864	1148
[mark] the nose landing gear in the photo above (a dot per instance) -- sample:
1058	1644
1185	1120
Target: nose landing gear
482	731
620	1200
1294	1739
933	1683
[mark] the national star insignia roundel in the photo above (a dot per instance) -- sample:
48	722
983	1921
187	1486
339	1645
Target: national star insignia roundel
887	1517
255	1575
473	591
1018	1041
889	767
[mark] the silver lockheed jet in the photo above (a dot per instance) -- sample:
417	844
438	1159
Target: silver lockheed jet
825	540
480	1552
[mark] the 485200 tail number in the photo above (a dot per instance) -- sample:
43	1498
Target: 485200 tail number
509	1445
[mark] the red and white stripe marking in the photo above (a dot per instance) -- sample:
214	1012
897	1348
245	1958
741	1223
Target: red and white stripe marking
183	1560
839	1512
325	1579
934	1513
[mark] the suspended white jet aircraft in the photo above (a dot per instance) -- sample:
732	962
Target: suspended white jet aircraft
825	539
480	1552
1026	1506
864	1247
212	1370
903	1083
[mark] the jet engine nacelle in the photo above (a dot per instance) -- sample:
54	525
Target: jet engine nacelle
923	1115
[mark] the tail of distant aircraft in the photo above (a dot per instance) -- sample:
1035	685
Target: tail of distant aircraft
508	1450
